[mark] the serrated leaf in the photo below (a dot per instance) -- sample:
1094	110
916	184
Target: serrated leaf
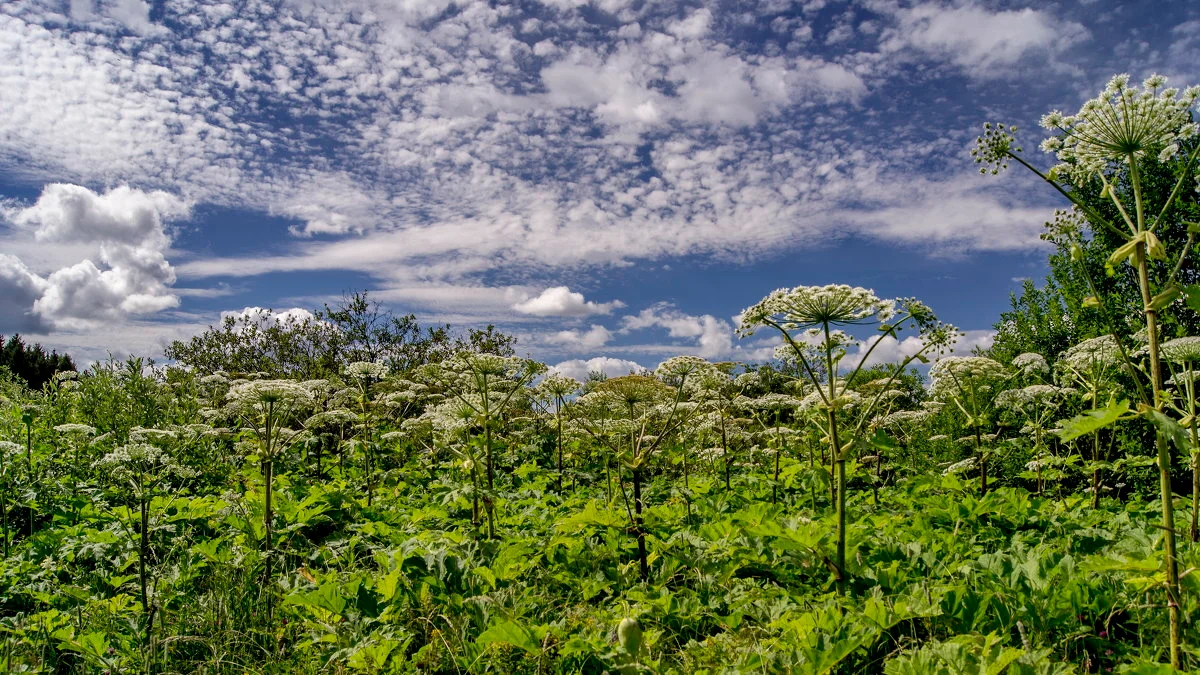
509	632
1093	420
1169	428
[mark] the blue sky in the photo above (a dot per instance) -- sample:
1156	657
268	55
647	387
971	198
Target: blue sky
605	179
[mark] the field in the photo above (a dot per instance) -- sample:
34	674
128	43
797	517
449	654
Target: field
346	494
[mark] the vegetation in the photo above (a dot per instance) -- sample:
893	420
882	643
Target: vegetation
354	494
31	365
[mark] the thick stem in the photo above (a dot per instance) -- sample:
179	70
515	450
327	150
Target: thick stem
558	443
840	484
643	558
725	450
1164	462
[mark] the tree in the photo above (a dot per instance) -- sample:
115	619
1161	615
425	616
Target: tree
358	329
32	365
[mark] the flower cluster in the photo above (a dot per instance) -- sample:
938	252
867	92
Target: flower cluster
1122	124
1038	396
994	148
1097	353
369	371
73	429
951	376
1031	364
1182	350
812	306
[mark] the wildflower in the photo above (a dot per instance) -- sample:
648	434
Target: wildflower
1030	363
367	370
1098	352
75	429
1122	124
1182	350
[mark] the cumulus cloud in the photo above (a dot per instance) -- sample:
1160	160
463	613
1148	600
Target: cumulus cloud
612	367
19	289
596	336
562	301
126	272
265	318
713	337
887	349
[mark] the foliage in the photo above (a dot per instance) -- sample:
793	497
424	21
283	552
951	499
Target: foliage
31	364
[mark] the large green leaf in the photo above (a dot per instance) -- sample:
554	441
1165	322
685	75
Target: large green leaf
1094	420
509	632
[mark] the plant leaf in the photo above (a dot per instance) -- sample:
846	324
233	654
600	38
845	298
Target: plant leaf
1093	420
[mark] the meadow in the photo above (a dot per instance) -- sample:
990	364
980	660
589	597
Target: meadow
353	495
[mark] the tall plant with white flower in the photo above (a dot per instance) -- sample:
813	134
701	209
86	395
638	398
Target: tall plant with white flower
485	384
971	383
266	408
142	472
814	314
364	375
1183	358
1111	142
1091	366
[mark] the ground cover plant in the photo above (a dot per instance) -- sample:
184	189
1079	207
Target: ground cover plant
354	494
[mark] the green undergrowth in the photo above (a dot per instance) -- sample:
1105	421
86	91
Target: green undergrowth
940	580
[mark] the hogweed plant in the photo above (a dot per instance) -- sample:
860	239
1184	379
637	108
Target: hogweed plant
1111	142
551	395
1183	357
141	472
266	408
633	416
1091	366
9	451
814	314
485	383
971	384
364	375
1035	406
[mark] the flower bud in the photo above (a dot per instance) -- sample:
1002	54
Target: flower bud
629	635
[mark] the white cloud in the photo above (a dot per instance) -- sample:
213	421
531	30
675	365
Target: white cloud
887	349
713	337
596	336
127	272
264	318
982	42
562	301
612	367
19	289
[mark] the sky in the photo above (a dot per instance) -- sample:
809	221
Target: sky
611	181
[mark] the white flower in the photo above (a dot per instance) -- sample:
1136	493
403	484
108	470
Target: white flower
1182	350
1031	363
960	467
367	370
1122	123
1097	353
72	429
953	375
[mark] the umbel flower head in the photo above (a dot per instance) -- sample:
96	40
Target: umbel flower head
1182	350
1031	363
813	306
953	375
369	371
1123	123
1095	353
993	149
